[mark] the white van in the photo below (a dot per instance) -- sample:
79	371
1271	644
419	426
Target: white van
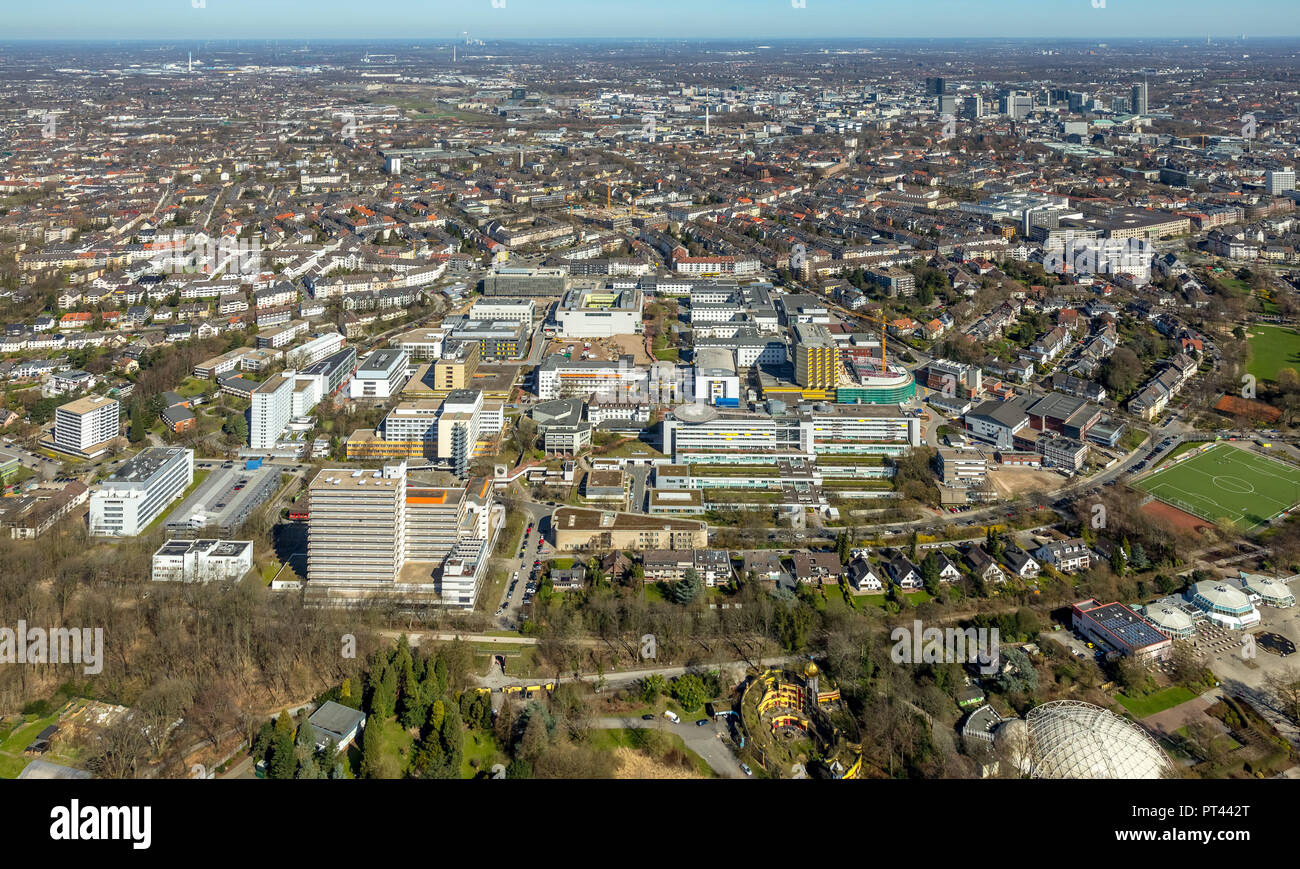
672	716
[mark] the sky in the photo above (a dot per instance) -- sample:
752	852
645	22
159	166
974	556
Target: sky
743	19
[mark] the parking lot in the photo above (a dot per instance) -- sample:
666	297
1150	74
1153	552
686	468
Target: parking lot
525	570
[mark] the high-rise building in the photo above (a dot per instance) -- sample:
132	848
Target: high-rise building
382	532
935	86
356	533
947	104
139	491
1138	99
85	426
455	370
973	107
816	357
1014	104
1279	181
272	409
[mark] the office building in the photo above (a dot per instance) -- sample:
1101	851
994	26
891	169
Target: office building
716	380
380	375
202	560
382	533
962	468
1279	181
613	380
1138	99
816	357
512	310
604	530
600	313
497	339
455	370
333	372
356	533
526	282
139	491
313	351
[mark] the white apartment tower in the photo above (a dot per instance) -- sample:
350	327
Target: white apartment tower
271	412
86	425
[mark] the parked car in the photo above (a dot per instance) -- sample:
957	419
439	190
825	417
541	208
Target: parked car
747	770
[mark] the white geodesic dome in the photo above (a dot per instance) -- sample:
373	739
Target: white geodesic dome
1070	739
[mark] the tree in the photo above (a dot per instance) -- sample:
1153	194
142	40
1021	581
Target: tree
283	763
235	428
687	589
689	691
375	763
139	429
930	573
1117	561
534	740
652	686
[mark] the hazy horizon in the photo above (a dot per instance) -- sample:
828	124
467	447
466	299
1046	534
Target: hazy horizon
146	20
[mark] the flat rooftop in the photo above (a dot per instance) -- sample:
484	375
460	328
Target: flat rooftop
357	479
226	496
86	404
143	466
381	360
579	519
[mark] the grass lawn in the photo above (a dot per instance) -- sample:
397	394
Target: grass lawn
634	738
1272	348
396	743
192	386
1223	740
916	597
482	747
1227	483
1158	701
12	759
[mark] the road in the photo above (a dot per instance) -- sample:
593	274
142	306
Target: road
705	740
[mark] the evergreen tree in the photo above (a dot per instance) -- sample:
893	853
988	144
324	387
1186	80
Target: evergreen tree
283	764
371	749
437	714
930	573
441	673
413	707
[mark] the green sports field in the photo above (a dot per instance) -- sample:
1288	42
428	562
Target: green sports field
1227	483
1272	348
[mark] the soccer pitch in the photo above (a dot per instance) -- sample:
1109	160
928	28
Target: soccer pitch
1225	482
